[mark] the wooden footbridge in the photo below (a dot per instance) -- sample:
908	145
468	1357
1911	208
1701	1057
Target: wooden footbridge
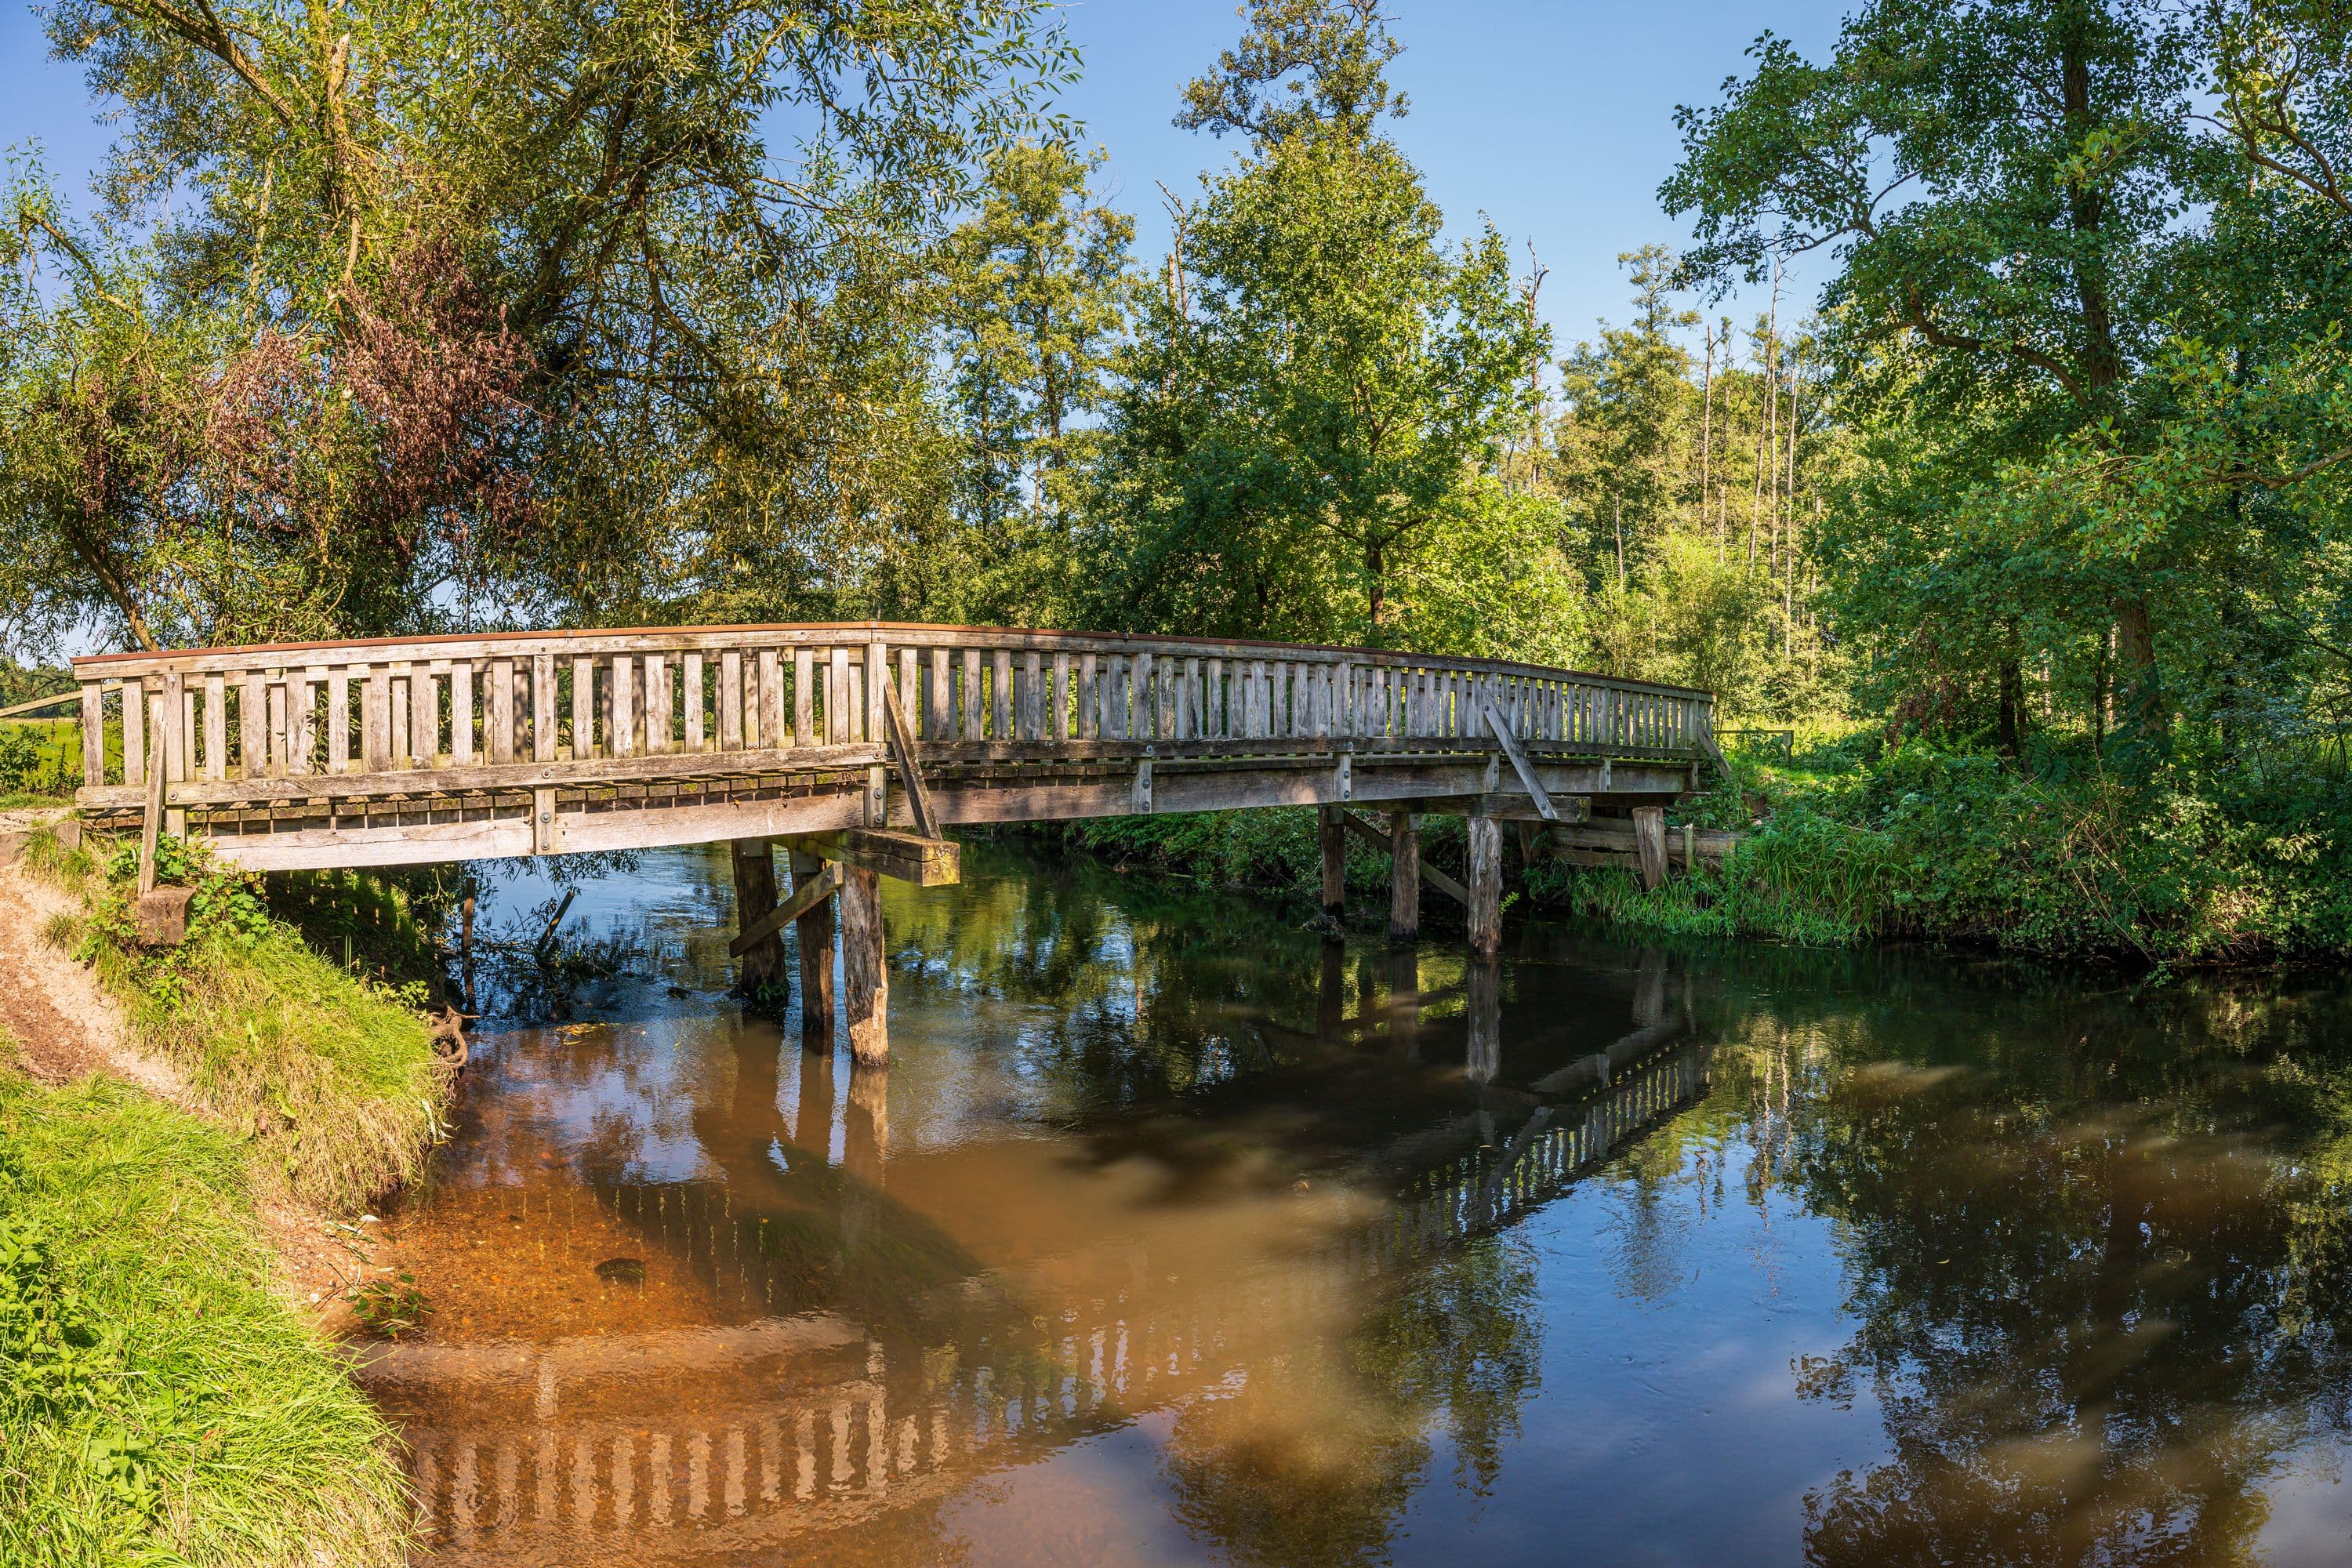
858	743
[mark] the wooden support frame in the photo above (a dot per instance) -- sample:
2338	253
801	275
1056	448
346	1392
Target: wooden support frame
926	862
910	771
1498	727
806	895
1428	873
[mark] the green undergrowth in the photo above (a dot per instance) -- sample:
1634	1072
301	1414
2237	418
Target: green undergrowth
332	1073
1846	840
157	1404
2052	857
40	760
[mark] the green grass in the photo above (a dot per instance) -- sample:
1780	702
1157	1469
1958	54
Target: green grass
40	760
334	1076
169	1409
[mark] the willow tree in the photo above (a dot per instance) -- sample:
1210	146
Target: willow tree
662	255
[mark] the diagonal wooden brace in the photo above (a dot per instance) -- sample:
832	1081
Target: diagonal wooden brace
902	752
1510	745
805	897
1429	873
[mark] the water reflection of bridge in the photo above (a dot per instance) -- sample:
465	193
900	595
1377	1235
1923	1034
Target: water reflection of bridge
789	1424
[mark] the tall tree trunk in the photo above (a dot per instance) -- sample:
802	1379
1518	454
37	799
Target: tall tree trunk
2138	684
2012	705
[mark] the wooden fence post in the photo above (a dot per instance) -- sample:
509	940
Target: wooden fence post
1650	844
762	975
1331	833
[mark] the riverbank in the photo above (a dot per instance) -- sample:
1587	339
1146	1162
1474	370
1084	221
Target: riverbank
183	1137
1845	842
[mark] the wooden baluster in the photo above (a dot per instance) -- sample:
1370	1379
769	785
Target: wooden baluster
661	706
730	701
969	695
939	711
910	688
804	697
872	726
1089	703
545	728
1033	704
1215	714
134	731
840	721
1117	678
1000	696
584	708
772	701
216	751
252	739
1188	702
690	695
499	728
93	734
461	711
1059	704
422	731
280	722
620	705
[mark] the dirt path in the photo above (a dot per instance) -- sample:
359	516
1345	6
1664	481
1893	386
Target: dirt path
67	1023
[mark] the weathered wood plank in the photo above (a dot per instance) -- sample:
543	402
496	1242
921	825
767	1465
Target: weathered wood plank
927	862
902	752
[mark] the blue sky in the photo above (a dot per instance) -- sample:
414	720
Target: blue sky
1554	119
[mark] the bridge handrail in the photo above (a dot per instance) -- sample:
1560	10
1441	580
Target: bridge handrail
471	707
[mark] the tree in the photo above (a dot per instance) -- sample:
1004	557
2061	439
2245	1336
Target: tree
1323	378
1999	186
1037	291
721	343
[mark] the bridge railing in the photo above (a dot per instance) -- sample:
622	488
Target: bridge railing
529	706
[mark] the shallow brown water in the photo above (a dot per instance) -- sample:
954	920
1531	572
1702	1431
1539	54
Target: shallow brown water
1175	1235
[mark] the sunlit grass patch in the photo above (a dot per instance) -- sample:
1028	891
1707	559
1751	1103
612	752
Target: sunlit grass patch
335	1075
157	1404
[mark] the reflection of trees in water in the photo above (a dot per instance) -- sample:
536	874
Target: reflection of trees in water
2095	1254
1310	1456
1142	994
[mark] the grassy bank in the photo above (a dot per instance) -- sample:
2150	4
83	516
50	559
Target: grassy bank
333	1075
1848	840
157	1405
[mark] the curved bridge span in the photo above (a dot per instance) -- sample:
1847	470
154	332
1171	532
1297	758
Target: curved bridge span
858	743
409	750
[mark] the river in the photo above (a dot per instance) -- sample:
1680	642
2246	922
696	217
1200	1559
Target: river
1174	1234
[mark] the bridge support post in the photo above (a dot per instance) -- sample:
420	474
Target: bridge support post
866	987
1650	844
1484	983
815	933
1485	857
1332	832
1404	877
762	977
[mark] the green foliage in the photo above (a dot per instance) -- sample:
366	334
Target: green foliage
335	1074
390	1307
1313	392
157	1404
